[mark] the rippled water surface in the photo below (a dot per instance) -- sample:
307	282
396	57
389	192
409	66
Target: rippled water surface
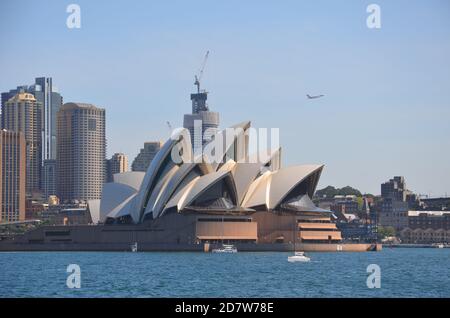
404	273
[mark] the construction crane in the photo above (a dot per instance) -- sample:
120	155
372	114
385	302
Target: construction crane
198	77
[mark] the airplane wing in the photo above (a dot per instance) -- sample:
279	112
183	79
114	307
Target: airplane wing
314	96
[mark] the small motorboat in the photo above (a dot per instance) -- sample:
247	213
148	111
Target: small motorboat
134	247
298	257
226	248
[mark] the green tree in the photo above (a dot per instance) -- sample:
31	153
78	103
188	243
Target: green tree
384	232
330	191
349	191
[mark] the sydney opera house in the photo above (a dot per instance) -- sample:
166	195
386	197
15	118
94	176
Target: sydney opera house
232	184
191	201
233	197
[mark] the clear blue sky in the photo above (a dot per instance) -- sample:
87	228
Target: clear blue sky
387	106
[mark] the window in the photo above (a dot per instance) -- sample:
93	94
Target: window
92	124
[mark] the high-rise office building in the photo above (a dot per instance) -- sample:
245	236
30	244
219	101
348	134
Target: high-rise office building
6	96
146	155
49	178
12	176
117	164
81	151
22	113
51	100
202	123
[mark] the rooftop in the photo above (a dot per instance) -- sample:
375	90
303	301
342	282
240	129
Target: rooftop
22	97
429	213
76	105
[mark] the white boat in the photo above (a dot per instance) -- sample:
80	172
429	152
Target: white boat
298	257
134	247
226	248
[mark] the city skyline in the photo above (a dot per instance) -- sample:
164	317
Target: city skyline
211	157
373	76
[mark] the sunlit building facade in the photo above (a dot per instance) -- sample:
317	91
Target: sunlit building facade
12	176
81	151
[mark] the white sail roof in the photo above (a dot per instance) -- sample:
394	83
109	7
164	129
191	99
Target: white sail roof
247	185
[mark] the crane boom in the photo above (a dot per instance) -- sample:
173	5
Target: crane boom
198	77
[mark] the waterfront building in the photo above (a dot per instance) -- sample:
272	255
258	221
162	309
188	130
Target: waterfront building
81	151
393	214
425	236
212	202
23	113
12	176
117	164
427	227
429	220
395	203
357	231
146	155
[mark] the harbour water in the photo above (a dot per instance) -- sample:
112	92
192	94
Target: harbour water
404	273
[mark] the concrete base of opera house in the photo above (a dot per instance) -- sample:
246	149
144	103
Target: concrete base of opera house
260	231
173	247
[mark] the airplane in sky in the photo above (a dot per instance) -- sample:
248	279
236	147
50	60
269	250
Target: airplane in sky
314	96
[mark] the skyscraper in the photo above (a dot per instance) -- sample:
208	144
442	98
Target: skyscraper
81	151
51	100
117	164
146	155
207	121
6	96
22	113
12	176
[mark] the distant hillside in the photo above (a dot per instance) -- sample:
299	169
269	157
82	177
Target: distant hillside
330	192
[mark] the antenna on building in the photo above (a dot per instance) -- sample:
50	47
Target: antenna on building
199	75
